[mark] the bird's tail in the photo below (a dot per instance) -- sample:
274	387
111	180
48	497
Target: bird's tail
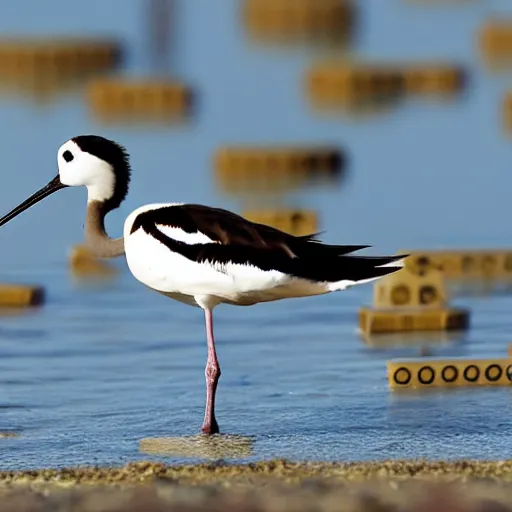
355	270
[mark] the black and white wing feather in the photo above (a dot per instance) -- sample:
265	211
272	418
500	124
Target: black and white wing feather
212	235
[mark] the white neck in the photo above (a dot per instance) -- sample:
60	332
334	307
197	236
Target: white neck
102	189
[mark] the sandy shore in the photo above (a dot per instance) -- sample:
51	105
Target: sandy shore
265	486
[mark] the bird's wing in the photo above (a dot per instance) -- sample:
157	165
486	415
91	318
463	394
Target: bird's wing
219	237
192	224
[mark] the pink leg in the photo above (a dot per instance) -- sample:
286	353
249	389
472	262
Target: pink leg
212	374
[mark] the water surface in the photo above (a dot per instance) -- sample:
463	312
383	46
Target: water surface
96	370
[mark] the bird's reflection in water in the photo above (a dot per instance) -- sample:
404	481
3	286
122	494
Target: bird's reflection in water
218	446
87	270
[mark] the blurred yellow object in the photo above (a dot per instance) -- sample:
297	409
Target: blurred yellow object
354	85
507	112
423	340
483	264
295	222
42	68
449	373
434	80
292	20
406	289
32	57
406	301
412	319
276	168
83	263
155	99
40	89
350	85
19	295
495	43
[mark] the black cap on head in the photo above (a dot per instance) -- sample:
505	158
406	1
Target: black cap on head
114	154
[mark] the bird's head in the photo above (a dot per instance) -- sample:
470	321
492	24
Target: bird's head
100	164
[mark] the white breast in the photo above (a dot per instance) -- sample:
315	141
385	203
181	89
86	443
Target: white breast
152	263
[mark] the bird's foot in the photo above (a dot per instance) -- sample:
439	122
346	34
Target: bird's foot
210	428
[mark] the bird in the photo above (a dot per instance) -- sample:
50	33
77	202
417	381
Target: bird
202	256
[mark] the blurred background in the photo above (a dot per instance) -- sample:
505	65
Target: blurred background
95	370
426	172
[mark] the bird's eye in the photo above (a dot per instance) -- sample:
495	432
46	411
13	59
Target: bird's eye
68	156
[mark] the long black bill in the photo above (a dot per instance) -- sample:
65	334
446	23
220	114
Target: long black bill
52	187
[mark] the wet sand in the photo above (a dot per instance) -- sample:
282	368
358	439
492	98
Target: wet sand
264	486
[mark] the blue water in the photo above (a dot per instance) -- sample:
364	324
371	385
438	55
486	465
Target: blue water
97	369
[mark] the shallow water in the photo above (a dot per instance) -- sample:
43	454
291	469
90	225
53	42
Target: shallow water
95	370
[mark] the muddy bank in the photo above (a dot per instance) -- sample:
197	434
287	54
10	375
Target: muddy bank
274	486
275	497
260	473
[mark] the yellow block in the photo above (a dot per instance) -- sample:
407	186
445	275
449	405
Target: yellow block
122	97
332	85
434	79
463	264
423	340
18	295
285	20
32	57
412	319
507	112
279	168
41	89
83	263
408	289
495	43
449	373
295	222
273	164
350	85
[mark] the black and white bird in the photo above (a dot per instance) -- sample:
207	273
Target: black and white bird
199	255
